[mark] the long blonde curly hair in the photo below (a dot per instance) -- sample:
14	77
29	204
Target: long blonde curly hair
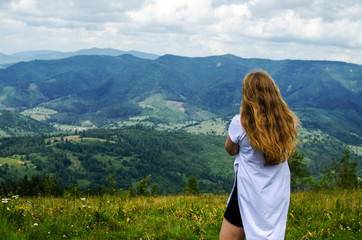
270	125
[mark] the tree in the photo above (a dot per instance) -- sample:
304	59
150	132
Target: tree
345	169
328	178
50	184
300	176
73	192
112	182
131	192
142	186
341	173
154	190
25	186
192	187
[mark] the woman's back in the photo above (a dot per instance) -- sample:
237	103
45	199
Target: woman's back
263	191
262	137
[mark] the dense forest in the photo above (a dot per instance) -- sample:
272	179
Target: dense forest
126	156
90	157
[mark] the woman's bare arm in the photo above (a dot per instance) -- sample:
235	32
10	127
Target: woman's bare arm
231	147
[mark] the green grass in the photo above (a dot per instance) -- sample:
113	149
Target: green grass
356	149
83	183
213	126
76	138
312	215
164	114
71	128
326	215
4	134
17	166
158	107
39	113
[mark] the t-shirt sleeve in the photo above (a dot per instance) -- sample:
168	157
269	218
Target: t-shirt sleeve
235	129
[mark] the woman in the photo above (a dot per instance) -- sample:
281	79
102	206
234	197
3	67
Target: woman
263	137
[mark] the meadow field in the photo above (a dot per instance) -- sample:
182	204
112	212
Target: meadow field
312	215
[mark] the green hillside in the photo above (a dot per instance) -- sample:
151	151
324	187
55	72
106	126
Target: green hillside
196	95
130	154
15	124
172	90
90	157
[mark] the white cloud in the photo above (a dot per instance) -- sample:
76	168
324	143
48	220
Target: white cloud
177	15
277	29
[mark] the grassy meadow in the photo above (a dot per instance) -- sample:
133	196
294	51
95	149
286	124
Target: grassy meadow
312	215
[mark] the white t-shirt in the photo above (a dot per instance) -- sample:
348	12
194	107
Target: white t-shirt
263	191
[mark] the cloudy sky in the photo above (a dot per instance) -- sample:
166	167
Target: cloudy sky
275	29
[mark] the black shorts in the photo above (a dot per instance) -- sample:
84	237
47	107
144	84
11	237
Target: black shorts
232	213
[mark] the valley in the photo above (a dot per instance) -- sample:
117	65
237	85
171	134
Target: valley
73	109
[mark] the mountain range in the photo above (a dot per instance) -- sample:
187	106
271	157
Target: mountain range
51	55
100	90
108	91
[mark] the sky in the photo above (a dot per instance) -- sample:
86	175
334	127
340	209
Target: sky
272	29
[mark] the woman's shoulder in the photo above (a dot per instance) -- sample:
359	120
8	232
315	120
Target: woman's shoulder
236	131
236	119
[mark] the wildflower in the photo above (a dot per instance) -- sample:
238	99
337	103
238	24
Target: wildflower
8	209
83	199
83	206
35	224
89	206
5	200
16	196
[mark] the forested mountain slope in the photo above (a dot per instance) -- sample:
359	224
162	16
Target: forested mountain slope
129	155
90	158
15	124
105	89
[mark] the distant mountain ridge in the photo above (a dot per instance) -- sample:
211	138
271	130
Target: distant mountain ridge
52	55
104	89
